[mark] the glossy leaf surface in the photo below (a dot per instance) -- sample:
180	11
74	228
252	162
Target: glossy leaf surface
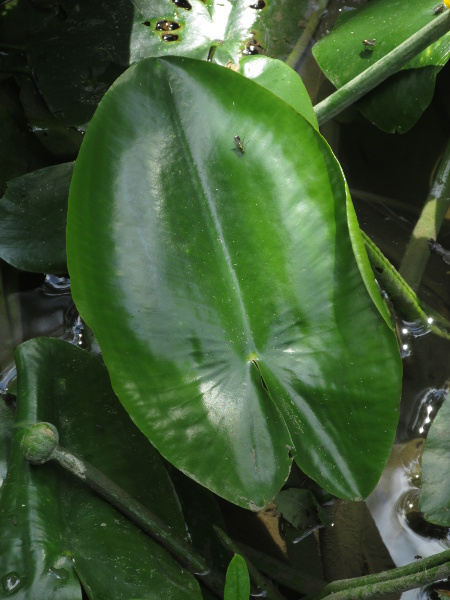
76	58
282	81
237	585
434	499
398	103
33	220
224	291
58	516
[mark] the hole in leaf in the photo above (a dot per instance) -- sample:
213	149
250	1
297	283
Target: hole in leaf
258	5
165	25
183	4
169	37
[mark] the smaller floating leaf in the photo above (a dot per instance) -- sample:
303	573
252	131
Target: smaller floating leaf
237	585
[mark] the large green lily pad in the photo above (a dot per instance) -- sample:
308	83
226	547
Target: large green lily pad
222	285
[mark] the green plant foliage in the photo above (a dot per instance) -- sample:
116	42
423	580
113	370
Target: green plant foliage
398	103
300	508
224	291
281	80
33	220
237	585
76	58
63	142
6	423
52	525
12	150
434	499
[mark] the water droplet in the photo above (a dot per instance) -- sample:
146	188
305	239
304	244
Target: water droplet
11	582
60	574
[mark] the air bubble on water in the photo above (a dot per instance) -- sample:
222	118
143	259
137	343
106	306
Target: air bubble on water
11	582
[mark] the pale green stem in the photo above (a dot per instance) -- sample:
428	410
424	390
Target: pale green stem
266	586
433	213
40	444
411	576
382	69
305	39
402	296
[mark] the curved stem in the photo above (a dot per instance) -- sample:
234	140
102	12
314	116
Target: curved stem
382	69
126	504
433	213
402	296
413	575
305	39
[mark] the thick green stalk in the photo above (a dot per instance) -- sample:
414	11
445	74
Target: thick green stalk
433	213
305	39
40	444
382	69
411	576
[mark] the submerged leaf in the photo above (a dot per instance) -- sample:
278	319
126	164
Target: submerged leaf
434	499
33	220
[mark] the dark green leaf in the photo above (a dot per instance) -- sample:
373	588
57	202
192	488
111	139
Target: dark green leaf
400	101
76	58
59	516
299	508
33	220
434	499
237	585
12	150
6	422
63	142
225	297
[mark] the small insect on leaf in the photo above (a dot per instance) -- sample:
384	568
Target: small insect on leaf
438	9
369	43
239	143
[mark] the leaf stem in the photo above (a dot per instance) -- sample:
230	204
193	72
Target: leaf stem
431	218
40	444
382	69
305	39
402	296
411	576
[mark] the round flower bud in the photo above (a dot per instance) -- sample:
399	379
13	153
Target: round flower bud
38	442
